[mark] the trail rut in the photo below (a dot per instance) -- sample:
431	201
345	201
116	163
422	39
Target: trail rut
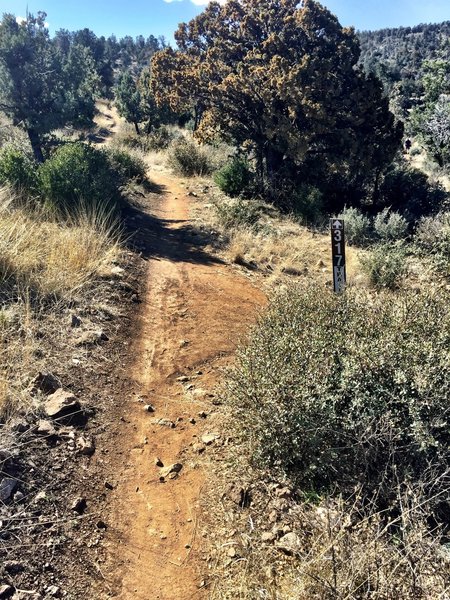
194	310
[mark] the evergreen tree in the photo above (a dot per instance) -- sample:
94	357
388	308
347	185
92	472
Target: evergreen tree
128	100
41	88
280	79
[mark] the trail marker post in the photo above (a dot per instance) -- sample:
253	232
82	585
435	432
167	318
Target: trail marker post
338	252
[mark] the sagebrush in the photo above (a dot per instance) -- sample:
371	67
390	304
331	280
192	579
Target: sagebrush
338	390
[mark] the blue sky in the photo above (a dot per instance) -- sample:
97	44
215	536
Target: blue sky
160	17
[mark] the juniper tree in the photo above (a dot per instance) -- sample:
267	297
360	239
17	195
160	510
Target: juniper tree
280	79
41	88
128	100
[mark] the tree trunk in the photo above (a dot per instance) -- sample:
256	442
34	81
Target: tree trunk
259	156
35	145
376	187
274	161
198	113
136	126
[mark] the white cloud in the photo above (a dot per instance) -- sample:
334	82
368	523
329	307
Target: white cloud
22	20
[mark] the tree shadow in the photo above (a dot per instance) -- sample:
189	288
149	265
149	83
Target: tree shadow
165	238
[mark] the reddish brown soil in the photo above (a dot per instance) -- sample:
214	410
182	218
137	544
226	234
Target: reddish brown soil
194	310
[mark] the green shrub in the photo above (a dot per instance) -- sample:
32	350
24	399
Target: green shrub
17	169
410	191
235	177
344	390
187	158
357	226
433	238
159	139
130	139
78	173
240	213
305	201
385	265
390	226
126	165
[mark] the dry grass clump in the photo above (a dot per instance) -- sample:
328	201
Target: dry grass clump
279	245
44	264
289	249
256	234
53	258
341	552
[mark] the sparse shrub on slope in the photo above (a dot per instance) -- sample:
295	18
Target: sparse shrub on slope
235	177
390	225
385	265
239	213
160	138
344	390
433	238
357	226
77	174
188	158
306	202
126	165
17	169
410	191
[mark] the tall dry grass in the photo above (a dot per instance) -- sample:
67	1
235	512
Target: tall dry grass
341	555
49	257
45	263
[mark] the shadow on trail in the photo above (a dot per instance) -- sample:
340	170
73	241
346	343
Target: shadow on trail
166	238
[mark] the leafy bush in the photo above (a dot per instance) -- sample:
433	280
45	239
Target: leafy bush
78	173
306	202
339	390
390	225
357	225
188	159
241	213
385	265
127	166
409	191
433	238
159	139
235	177
17	169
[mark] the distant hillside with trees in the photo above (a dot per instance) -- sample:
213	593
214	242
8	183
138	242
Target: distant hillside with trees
112	56
414	65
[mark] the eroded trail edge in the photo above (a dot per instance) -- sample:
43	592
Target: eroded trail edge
194	311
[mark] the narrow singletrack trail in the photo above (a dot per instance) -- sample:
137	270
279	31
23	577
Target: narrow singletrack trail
193	313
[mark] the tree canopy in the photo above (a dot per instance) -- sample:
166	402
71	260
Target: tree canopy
280	79
136	103
128	100
41	88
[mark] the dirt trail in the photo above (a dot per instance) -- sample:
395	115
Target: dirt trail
193	313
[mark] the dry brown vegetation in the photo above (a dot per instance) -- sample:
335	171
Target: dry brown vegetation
276	246
52	258
339	552
44	264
